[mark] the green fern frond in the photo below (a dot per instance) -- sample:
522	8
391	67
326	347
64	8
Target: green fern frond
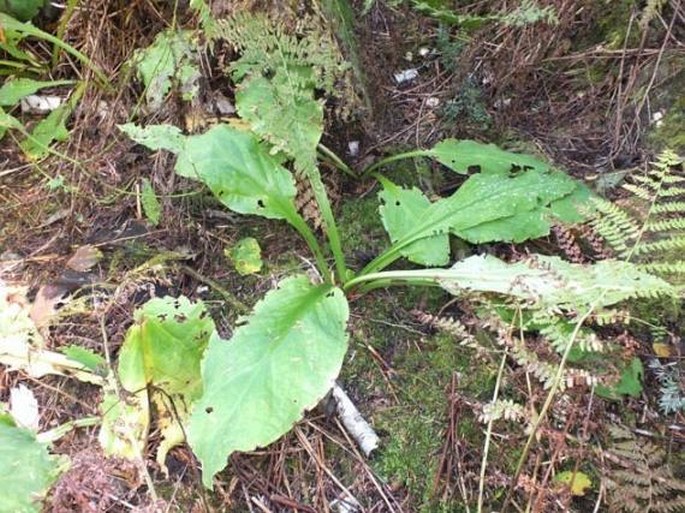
652	230
641	192
675	243
672	207
665	225
677	267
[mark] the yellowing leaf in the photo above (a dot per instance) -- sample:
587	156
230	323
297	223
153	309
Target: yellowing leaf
578	482
162	349
661	350
246	256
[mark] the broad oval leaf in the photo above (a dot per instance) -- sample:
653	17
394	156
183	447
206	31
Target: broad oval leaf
278	364
240	172
165	346
401	209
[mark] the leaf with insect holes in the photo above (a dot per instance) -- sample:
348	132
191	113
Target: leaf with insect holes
400	210
27	469
163	350
464	155
151	206
156	137
235	166
487	207
171	60
280	362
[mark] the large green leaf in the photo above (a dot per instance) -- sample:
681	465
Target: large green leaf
401	209
548	281
487	198
463	155
163	350
23	10
235	166
278	364
27	469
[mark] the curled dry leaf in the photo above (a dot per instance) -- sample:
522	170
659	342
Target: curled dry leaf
44	307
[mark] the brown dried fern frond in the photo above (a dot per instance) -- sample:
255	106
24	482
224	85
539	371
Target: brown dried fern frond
305	202
568	243
640	478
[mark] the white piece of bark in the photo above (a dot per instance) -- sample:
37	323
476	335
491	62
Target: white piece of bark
360	430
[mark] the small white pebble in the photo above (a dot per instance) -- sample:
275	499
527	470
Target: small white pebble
406	75
432	102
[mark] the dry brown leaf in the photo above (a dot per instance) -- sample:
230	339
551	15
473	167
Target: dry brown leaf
44	307
84	258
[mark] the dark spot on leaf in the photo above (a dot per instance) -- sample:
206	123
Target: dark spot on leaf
473	169
397	203
260	203
209	409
